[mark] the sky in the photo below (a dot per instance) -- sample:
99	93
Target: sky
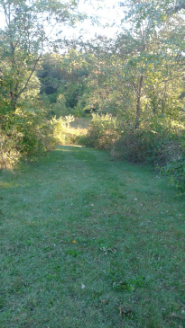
108	12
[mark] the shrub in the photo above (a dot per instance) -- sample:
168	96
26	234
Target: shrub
176	170
26	134
61	129
59	108
79	111
9	155
35	131
157	144
102	132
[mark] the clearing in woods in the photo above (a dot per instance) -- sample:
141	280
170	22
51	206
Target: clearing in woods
91	243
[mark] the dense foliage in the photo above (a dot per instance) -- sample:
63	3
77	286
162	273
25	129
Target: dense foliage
25	36
141	80
134	83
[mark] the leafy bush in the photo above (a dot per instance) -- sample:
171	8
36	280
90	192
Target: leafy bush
26	134
79	111
103	131
61	129
59	108
176	170
35	131
9	155
157	144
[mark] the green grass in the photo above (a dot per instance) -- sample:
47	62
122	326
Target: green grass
79	219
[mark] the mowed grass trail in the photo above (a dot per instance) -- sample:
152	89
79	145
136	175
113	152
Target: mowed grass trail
88	242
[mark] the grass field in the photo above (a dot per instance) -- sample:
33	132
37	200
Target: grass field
88	242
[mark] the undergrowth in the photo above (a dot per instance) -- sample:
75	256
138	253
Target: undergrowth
159	142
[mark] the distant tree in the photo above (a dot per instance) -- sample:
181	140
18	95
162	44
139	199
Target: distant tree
64	74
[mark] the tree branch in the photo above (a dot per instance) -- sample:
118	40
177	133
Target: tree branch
33	70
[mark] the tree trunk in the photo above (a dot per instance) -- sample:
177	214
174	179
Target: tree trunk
138	105
164	100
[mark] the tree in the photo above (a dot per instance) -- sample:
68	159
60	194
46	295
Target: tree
151	55
31	28
64	74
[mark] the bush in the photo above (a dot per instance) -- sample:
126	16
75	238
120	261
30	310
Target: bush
79	111
9	155
35	132
176	170
59	108
102	132
26	134
157	144
61	129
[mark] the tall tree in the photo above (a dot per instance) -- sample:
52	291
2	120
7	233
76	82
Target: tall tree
31	28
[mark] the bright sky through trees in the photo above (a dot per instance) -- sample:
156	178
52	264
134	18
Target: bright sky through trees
108	14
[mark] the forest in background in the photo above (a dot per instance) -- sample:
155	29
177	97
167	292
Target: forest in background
133	85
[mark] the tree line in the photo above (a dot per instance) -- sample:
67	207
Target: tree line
137	77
